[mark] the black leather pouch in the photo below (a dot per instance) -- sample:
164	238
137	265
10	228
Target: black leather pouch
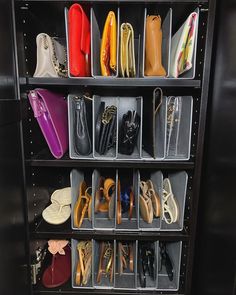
82	125
128	133
150	111
105	130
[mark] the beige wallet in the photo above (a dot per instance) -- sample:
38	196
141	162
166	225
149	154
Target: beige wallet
127	55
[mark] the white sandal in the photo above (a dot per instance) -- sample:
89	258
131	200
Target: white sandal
170	210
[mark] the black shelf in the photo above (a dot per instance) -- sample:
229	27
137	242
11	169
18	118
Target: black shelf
48	231
162	1
118	82
44	159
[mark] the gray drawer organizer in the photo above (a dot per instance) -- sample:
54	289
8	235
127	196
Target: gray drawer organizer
138	21
130	280
100	220
180	143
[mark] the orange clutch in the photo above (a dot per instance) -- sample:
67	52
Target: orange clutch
108	56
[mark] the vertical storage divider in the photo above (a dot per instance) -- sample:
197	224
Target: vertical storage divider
101	219
72	126
127	15
178	182
127	279
98	19
105	282
174	250
178	138
107	101
125	104
151	284
154	130
176	34
166	25
127	181
87	10
76	178
157	180
74	262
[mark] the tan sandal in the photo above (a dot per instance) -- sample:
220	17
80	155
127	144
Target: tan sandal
156	203
145	203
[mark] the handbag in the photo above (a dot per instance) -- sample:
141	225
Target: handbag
105	130
129	131
50	110
127	56
51	57
151	109
182	46
153	47
82	139
108	56
79	42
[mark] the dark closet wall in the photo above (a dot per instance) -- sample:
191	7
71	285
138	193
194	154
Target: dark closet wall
215	261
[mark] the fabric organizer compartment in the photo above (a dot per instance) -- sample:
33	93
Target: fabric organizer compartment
76	178
74	263
178	181
128	179
134	104
98	19
176	36
73	127
174	250
101	220
151	285
178	138
127	280
105	282
87	10
157	180
166	27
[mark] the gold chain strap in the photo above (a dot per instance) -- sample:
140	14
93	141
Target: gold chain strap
107	115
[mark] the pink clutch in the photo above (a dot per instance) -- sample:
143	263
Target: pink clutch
50	110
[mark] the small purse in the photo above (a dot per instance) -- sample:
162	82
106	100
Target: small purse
127	55
129	131
50	110
108	58
182	46
105	131
51	57
79	41
153	47
82	140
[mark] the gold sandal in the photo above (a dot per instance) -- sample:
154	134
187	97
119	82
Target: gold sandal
84	265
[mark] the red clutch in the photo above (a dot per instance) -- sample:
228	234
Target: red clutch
79	41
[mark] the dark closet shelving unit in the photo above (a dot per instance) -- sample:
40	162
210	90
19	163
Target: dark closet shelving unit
43	173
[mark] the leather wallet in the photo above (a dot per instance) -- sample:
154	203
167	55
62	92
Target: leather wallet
127	55
108	56
79	41
50	110
150	112
153	47
82	139
105	130
129	131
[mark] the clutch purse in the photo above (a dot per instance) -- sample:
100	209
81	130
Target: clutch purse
105	131
129	131
51	57
127	56
79	41
153	47
182	46
108	57
150	125
50	110
81	131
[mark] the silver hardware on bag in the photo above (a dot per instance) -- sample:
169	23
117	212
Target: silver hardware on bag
37	263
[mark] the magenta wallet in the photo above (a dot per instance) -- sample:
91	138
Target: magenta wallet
50	110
